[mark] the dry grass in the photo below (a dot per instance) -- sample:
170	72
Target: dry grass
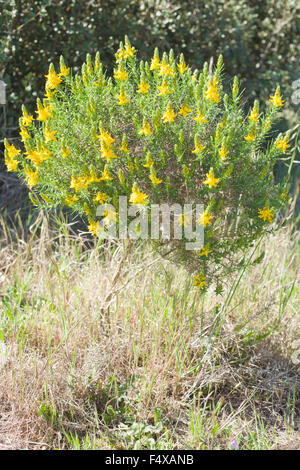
164	368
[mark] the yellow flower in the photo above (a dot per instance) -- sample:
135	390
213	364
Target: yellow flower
70	200
149	162
223	152
184	110
143	87
253	115
137	197
165	69
92	178
52	79
211	181
65	152
155	64
32	178
169	114
49	135
282	144
250	136
39	155
198	146
64	70
266	214
199	117
163	89
204	219
123	98
212	92
204	251
182	220
276	99
121	74
105	175
78	182
27	118
154	179
24	134
43	112
49	93
200	282
120	54
124	147
109	215
182	67
106	152
105	137
145	130
12	151
129	51
93	226
11	165
100	197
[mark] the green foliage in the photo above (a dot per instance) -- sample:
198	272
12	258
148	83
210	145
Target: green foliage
157	133
259	40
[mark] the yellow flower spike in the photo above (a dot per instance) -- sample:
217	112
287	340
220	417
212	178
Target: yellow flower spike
52	78
39	155
253	115
212	92
282	144
11	150
123	98
105	137
137	197
200	117
32	178
49	135
276	99
70	200
145	130
163	89
223	152
266	214
129	51
155	63
11	165
205	218
199	282
93	226
121	74
26	117
149	161
205	251
120	54
250	136
107	152
100	197
169	115
143	87
165	69
105	175
65	152
182	67
211	181
24	134
78	182
43	112
185	110
198	146
183	220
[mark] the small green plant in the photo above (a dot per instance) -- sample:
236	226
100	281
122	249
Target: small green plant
157	133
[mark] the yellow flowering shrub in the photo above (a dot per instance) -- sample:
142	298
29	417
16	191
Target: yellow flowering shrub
156	132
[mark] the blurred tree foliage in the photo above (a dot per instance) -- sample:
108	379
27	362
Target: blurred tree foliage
259	39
